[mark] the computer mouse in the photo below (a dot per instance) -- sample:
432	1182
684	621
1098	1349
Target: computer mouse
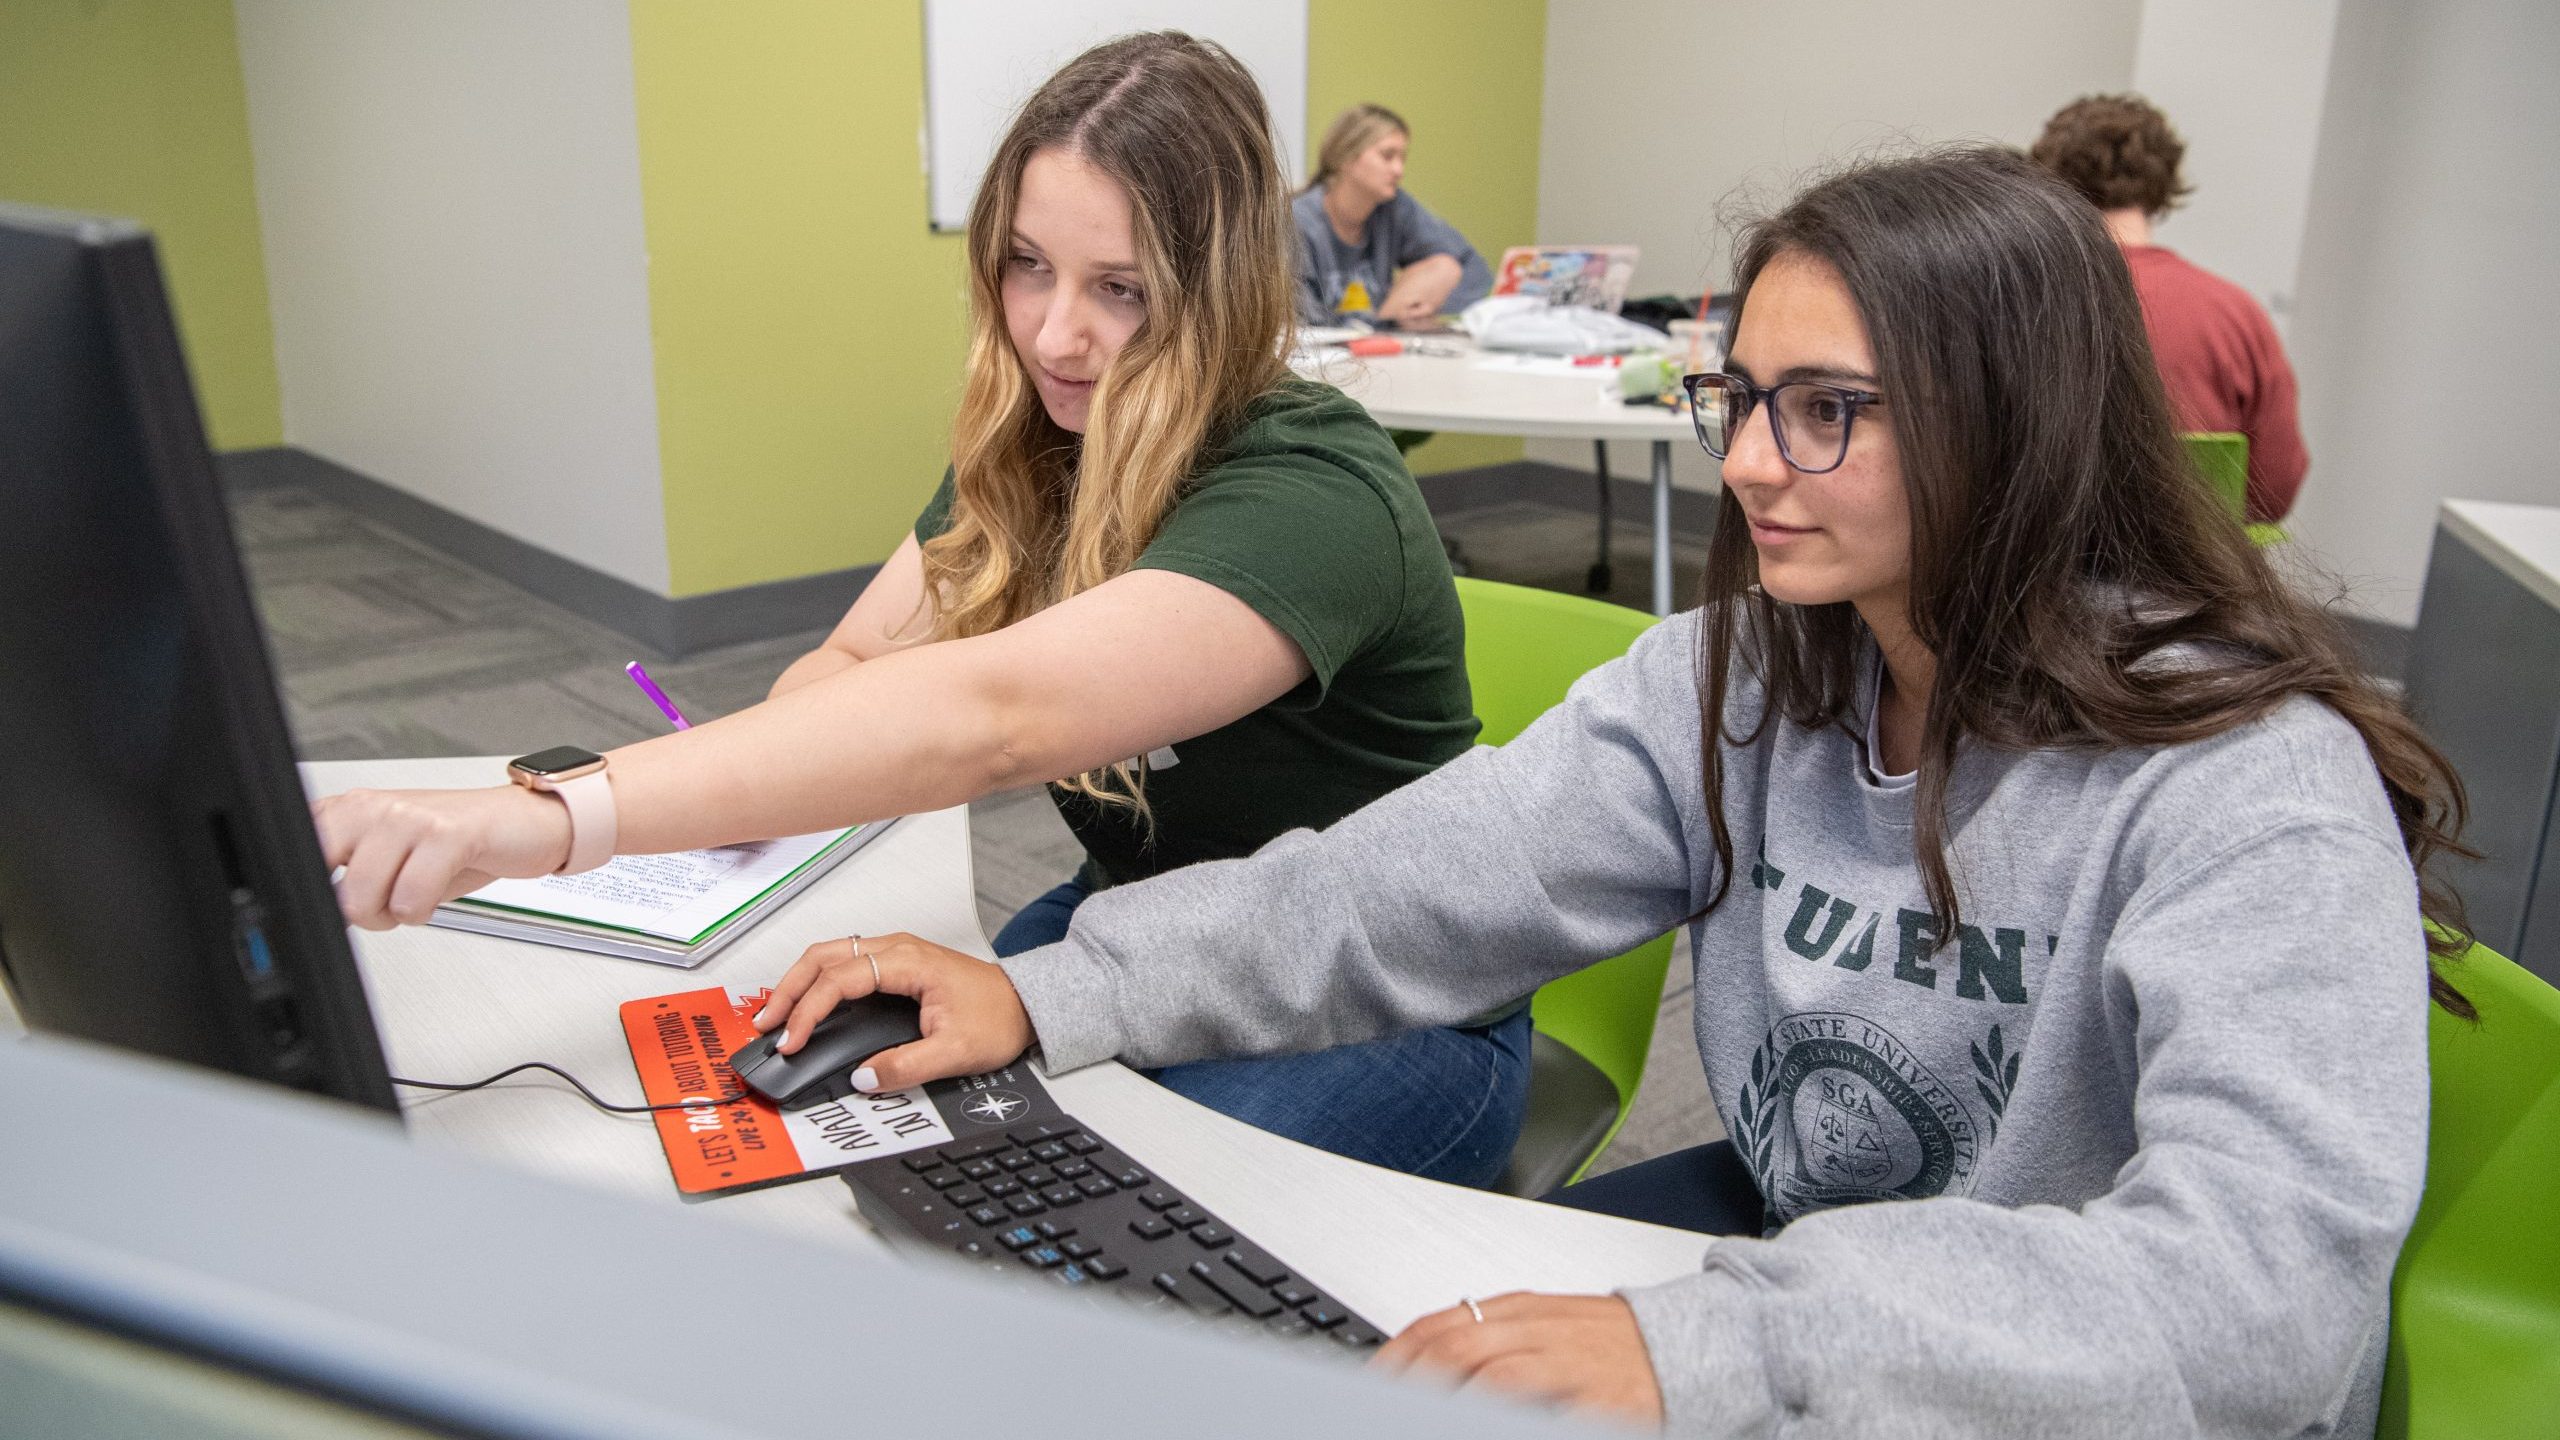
822	1069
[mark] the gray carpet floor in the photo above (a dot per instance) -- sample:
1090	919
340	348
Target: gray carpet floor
386	648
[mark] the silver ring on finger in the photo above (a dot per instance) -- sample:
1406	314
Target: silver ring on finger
1474	1309
875	963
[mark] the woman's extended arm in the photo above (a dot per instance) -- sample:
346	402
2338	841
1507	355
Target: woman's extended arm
1144	660
888	615
1455	894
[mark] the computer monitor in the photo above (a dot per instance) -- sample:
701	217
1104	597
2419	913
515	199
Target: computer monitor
160	885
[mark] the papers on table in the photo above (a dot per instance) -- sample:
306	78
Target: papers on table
677	909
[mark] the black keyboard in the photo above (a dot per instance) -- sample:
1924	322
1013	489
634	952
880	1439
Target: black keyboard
1046	1201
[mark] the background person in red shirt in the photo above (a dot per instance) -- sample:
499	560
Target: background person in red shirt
2217	350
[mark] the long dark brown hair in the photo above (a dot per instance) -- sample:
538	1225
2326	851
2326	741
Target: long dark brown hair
2047	488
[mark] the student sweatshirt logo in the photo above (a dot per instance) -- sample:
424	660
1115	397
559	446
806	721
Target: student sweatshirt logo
1838	1109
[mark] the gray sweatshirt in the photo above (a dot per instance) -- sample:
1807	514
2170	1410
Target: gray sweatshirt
2153	1118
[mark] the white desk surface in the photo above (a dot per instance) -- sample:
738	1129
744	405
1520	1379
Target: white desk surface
2522	540
1457	393
454	1006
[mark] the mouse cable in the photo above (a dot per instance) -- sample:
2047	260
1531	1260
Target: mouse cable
590	1095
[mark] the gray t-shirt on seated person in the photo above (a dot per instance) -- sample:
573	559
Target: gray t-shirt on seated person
1398	233
2131	1153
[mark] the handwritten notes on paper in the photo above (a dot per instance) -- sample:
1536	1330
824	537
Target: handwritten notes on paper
675	896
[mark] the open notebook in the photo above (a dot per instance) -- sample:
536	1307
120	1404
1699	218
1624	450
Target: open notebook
678	909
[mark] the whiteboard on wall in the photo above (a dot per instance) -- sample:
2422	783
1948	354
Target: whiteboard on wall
983	58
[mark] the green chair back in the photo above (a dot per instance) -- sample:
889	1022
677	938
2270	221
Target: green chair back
2223	456
2475	1302
1525	648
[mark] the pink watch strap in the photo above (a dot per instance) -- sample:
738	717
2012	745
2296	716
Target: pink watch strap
591	820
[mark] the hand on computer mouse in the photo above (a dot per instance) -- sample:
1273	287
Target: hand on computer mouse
971	1017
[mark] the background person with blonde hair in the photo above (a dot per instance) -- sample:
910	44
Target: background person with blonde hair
1197	594
1366	247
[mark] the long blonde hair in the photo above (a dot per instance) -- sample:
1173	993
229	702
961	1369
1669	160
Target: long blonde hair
1349	137
1037	515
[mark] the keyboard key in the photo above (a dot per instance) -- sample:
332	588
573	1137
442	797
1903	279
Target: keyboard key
1201	1299
1159	1199
1185	1216
1083	1144
960	1150
1359	1336
1074	1170
945	1179
1130	1178
1210	1237
1020	1237
1015	1159
1037	1177
1070	1275
1002	1188
1062	1196
1152	1227
1103	1267
1045	1257
1039	1130
926	1161
965	1197
978	1169
1052	1230
1293	1294
1096	1186
1081	1249
1324	1316
987	1215
1049	1152
1026	1205
1233	1289
1257	1267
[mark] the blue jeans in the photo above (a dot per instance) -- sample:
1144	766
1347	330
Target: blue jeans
1444	1103
1704	1188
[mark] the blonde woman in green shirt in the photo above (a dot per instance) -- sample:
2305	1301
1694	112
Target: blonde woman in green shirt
1198	596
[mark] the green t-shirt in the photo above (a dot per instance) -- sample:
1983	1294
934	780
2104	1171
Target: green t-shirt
1308	515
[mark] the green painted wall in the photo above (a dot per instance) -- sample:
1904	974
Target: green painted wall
809	326
135	108
809	329
1468	77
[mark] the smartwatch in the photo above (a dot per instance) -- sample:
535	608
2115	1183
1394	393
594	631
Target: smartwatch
577	777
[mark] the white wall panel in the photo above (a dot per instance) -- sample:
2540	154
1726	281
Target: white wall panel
2244	82
450	195
2427	330
1660	113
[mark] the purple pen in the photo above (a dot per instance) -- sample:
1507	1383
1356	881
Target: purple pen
656	696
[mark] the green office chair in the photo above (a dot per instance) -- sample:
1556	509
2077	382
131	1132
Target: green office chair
2475	1302
1524	649
2223	456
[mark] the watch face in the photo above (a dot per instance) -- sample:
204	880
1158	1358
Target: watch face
557	760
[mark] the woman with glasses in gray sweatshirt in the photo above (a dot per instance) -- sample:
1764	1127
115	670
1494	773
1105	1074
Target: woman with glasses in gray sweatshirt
2051	873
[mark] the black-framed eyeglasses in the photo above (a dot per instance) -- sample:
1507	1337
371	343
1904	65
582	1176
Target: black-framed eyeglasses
1810	418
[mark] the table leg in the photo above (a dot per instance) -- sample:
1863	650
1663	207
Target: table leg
1597	582
1661	527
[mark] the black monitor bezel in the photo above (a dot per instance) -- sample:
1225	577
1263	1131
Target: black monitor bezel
314	984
